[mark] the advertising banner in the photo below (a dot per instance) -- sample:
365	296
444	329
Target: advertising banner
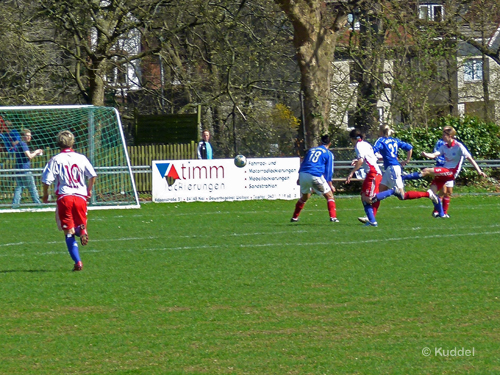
220	180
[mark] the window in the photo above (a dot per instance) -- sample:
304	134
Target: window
431	12
380	115
473	70
353	22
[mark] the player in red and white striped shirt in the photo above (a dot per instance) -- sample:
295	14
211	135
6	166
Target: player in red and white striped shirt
454	153
68	171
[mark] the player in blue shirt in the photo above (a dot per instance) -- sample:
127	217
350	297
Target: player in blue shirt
391	183
316	172
440	159
23	161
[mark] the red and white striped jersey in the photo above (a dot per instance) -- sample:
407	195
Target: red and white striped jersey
69	171
454	155
364	150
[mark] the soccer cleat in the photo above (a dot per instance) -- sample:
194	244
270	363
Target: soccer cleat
363	219
334	220
84	236
400	193
78	266
433	197
294	220
370	224
436	215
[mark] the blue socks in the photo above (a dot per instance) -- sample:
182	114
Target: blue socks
72	247
369	212
439	208
384	194
412	176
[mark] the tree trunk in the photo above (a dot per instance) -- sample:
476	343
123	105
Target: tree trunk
371	59
315	32
96	82
315	56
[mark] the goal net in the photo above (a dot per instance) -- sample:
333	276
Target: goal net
98	135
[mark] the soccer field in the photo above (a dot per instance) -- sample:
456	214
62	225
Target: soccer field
235	288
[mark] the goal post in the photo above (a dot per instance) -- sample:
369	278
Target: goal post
98	135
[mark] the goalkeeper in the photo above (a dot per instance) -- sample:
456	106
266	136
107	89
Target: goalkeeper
68	170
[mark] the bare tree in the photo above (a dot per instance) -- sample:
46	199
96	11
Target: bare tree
98	36
316	25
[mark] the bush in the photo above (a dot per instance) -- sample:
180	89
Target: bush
481	138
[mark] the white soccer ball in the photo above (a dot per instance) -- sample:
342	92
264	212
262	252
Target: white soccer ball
240	161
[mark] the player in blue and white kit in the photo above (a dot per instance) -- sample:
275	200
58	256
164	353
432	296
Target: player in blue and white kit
440	159
316	172
388	147
370	195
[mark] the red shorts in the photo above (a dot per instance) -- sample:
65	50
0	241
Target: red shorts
371	184
71	212
442	176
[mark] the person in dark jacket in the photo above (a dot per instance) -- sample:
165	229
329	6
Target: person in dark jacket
204	147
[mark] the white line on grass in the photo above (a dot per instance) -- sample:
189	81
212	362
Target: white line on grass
273	233
155	238
295	244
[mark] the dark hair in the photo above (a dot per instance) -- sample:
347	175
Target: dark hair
325	139
356	134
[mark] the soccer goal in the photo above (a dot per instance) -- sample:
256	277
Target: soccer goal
99	136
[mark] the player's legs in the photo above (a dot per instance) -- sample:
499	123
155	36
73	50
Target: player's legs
30	183
18	191
320	186
447	192
416	194
436	185
305	182
418	175
332	208
80	219
65	215
368	191
391	184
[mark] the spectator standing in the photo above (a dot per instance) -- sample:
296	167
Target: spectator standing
23	161
205	150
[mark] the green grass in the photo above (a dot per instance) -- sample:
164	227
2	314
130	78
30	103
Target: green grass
235	288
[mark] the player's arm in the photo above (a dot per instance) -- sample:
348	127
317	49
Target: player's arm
45	196
408	157
330	183
90	185
478	169
431	155
357	165
47	180
30	155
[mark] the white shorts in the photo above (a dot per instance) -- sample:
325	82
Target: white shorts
392	177
449	184
318	184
